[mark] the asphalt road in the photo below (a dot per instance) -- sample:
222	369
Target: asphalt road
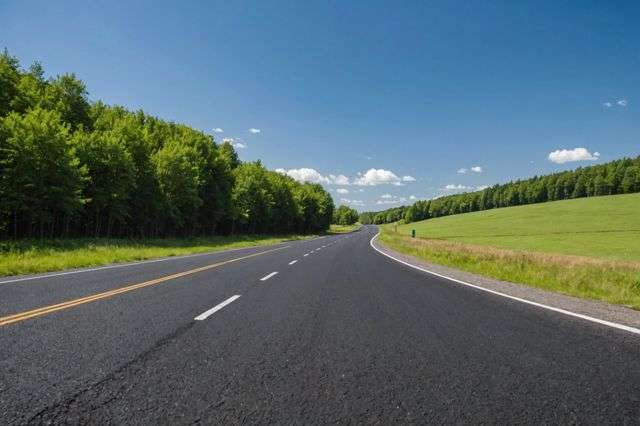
342	335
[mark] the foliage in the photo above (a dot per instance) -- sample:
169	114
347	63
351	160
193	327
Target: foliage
73	168
344	215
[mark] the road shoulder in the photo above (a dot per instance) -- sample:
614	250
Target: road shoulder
595	309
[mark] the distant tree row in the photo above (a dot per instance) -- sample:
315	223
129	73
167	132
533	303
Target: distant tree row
344	215
616	177
70	167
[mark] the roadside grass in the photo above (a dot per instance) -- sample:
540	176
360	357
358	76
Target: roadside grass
611	281
601	227
342	229
35	256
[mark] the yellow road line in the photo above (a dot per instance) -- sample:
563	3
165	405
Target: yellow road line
88	299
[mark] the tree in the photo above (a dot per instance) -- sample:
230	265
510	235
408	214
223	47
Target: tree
111	178
344	215
178	179
40	176
9	78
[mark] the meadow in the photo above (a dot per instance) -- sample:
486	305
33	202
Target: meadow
587	247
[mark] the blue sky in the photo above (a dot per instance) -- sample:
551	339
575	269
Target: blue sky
417	91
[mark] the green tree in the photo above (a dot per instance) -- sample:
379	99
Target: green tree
111	179
40	176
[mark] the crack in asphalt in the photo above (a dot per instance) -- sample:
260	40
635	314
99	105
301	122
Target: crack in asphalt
61	410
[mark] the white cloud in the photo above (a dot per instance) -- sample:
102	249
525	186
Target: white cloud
622	102
254	130
339	179
352	202
607	104
391	199
462	171
238	144
476	169
562	156
413	197
305	174
374	177
342	191
218	130
408	179
462	188
453	187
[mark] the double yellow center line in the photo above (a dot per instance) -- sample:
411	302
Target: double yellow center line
88	299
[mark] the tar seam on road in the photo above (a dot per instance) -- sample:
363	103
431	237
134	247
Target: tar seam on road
203	316
497	293
75	302
266	277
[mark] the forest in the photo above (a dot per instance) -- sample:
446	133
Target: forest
70	167
615	177
344	215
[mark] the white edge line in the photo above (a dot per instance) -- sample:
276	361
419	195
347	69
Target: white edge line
266	277
529	302
203	316
293	261
142	262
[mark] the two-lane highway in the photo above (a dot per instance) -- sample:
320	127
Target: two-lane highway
322	330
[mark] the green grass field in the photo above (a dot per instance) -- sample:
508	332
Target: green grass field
587	247
28	257
603	227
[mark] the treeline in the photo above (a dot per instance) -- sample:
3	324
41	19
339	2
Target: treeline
616	177
71	167
344	215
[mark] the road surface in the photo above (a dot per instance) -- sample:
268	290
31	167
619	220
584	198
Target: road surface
319	331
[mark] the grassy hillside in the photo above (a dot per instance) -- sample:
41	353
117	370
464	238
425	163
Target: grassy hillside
586	247
604	227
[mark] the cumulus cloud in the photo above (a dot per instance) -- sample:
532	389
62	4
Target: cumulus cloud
305	174
462	188
339	179
374	177
607	104
562	156
464	170
238	144
342	191
622	102
459	187
254	130
352	202
391	199
413	197
408	179
218	130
